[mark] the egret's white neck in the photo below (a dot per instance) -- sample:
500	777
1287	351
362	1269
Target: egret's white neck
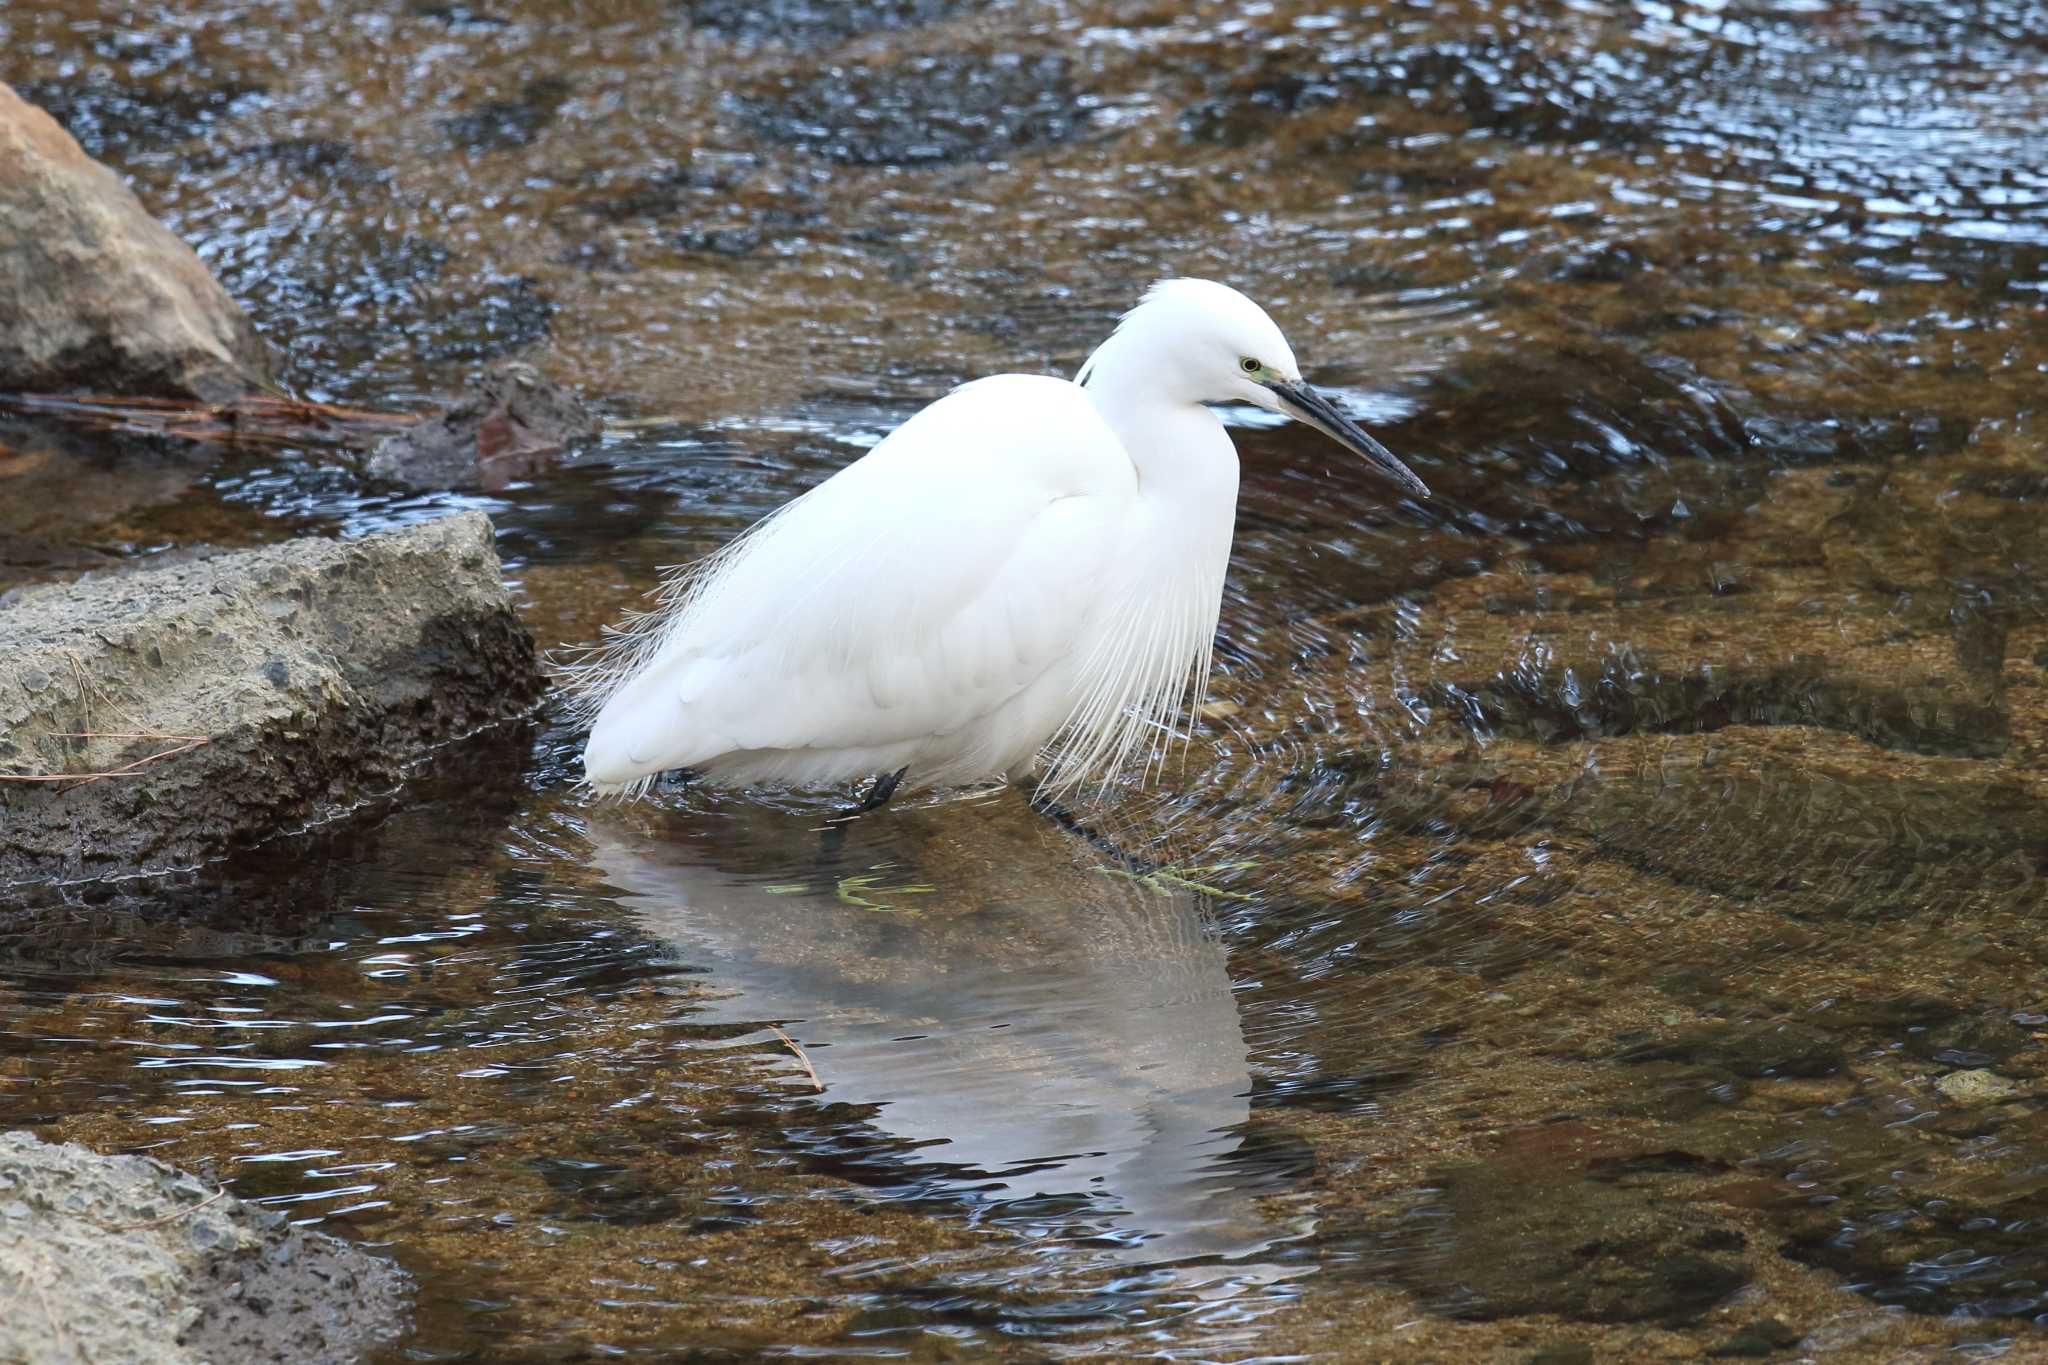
1177	444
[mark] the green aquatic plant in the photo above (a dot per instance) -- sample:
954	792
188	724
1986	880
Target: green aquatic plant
854	890
1168	879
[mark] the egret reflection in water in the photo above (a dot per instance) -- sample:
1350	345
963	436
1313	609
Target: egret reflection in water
1040	1027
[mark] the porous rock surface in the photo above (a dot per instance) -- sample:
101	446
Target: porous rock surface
511	424
118	1259
97	294
244	695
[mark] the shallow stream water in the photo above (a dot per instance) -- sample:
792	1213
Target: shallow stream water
1600	915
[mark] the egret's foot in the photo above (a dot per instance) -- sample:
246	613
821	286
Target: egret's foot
876	797
879	794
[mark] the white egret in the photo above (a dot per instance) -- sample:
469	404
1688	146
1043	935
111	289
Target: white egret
1026	574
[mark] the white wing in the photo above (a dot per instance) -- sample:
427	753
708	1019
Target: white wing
911	594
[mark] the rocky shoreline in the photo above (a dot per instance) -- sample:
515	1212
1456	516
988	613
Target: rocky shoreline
158	717
119	1259
207	706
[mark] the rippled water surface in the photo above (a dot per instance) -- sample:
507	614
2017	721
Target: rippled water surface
1601	909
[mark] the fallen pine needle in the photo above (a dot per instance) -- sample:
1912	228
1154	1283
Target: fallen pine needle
172	1216
180	744
801	1056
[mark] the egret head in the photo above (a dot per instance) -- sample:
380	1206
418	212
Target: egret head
1203	342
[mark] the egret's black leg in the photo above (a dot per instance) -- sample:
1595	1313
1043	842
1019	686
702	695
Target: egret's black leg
1073	824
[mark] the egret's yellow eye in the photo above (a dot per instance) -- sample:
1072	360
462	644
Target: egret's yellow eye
1248	365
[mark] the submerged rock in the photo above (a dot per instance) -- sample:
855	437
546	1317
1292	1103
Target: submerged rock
99	294
123	1259
513	423
1764	1337
1976	1086
210	705
1599	1242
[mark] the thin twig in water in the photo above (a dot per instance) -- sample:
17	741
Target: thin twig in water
254	419
173	1216
801	1056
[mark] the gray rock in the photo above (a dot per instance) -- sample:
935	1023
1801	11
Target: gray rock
513	424
117	1259
99	294
305	677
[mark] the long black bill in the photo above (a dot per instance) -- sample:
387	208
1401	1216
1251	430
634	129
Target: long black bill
1307	405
